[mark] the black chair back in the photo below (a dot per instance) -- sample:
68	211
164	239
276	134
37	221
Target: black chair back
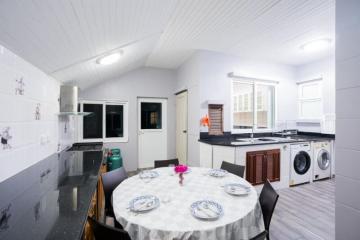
110	181
268	199
261	236
105	232
166	163
238	170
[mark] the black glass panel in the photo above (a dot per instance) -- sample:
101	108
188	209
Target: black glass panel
93	123
302	162
151	115
114	121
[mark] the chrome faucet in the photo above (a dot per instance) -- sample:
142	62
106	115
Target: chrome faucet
252	134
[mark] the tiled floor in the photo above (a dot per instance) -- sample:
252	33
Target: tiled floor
305	212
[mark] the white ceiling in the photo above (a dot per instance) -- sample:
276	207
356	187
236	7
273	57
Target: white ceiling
63	38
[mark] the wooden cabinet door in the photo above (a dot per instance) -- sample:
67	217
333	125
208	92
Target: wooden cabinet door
262	165
255	167
273	165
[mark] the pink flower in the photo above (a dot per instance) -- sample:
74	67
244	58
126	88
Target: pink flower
181	168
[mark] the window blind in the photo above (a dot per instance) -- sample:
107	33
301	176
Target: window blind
216	119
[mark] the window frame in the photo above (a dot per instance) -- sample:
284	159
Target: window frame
318	98
104	139
254	83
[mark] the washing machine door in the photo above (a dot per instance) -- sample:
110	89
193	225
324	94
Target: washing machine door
302	162
323	159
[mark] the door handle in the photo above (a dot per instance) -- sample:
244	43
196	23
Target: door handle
184	131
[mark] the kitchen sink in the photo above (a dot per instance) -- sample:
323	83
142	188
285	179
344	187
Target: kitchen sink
254	140
266	140
245	140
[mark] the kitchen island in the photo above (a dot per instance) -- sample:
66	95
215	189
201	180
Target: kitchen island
51	199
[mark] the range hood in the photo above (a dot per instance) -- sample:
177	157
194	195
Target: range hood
69	101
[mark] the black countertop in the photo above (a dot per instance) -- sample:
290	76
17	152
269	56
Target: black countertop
51	199
227	139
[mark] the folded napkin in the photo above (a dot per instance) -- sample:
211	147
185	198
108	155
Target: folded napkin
206	212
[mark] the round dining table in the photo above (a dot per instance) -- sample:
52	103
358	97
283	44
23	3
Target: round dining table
172	220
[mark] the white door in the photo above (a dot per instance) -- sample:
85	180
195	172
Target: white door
152	131
181	127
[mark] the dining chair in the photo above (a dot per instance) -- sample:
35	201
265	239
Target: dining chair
238	170
166	163
110	181
104	232
268	199
261	236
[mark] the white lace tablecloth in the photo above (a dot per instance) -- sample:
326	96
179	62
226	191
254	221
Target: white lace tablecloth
242	217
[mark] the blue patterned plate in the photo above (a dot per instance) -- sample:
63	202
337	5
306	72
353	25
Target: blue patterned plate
144	203
217	173
237	189
206	210
148	174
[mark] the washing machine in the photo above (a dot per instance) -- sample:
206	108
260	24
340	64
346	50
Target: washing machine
322	160
300	165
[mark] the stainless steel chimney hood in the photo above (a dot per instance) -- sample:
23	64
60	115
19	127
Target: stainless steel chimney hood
69	101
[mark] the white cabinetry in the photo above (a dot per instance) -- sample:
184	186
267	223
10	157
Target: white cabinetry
222	153
211	156
206	155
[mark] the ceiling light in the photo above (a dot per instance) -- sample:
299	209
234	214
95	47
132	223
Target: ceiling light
316	45
109	59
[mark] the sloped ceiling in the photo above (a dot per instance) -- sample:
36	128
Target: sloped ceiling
64	38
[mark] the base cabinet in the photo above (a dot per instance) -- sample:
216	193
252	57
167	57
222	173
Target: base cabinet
262	165
96	207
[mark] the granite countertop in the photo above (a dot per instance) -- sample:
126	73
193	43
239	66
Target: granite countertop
228	139
51	199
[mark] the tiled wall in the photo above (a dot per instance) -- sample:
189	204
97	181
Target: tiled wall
29	126
347	119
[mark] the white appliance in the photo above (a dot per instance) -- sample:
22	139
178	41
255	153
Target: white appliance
321	160
300	163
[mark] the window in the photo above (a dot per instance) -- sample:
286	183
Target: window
107	122
240	103
151	115
236	103
310	100
265	101
254	95
114	121
93	123
246	103
259	102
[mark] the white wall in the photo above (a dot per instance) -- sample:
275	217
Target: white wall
324	69
205	77
188	77
347	192
31	140
143	82
216	85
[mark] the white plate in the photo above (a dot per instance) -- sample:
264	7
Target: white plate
144	203
237	189
206	210
148	174
217	173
